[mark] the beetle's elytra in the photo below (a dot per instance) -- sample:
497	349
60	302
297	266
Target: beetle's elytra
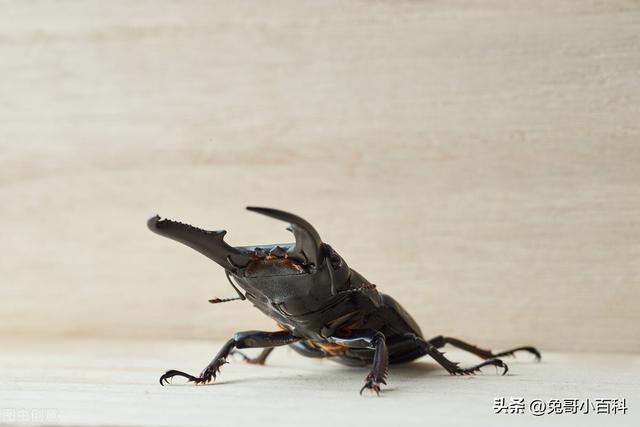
322	307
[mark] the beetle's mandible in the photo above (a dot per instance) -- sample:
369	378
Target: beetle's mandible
323	308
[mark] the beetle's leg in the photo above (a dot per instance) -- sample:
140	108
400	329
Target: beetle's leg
259	360
307	350
248	339
371	339
440	341
452	367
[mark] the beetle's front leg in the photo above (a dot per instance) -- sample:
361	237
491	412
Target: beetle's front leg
247	339
371	339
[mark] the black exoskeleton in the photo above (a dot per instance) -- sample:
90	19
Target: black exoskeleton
323	307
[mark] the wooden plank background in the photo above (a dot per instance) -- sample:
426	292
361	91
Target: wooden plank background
477	160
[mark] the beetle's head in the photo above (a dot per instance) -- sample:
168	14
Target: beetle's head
296	278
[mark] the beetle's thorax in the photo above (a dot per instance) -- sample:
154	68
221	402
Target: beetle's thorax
290	288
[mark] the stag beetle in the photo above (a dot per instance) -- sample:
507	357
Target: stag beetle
323	307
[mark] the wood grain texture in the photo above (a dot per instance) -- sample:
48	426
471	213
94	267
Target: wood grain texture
479	162
115	383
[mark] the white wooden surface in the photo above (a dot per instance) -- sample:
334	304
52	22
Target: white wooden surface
107	382
477	160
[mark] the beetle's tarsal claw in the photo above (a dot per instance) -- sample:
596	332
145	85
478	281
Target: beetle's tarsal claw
513	351
167	376
371	387
538	355
472	371
506	369
374	381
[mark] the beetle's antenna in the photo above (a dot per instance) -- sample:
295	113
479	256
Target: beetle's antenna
219	300
240	296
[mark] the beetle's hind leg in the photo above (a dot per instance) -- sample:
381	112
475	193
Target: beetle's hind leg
453	367
248	339
258	360
441	341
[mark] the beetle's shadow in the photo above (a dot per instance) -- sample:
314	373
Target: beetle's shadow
400	371
416	368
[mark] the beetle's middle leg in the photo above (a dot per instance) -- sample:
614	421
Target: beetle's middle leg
441	341
248	339
258	360
370	339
